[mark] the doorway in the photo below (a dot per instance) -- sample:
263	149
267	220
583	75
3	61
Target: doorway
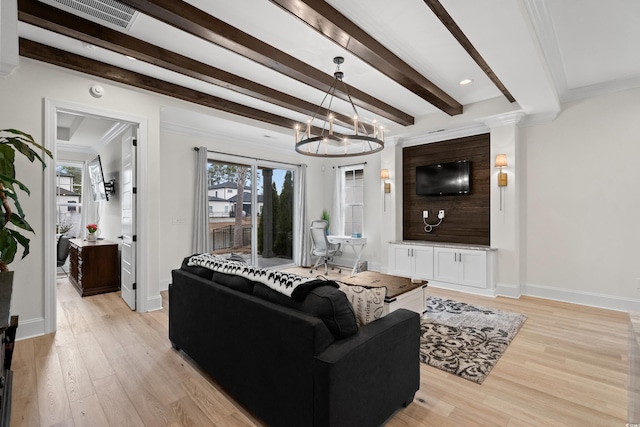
61	119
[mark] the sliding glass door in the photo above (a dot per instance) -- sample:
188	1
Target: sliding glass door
275	222
251	211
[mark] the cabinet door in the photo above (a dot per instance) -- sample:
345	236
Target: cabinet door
445	265
400	260
422	262
473	268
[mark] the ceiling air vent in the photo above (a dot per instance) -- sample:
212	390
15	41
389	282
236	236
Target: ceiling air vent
106	12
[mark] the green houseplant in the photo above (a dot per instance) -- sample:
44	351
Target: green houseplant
12	141
325	216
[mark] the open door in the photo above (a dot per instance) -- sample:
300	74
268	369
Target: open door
128	251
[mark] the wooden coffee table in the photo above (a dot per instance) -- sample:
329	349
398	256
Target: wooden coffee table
401	292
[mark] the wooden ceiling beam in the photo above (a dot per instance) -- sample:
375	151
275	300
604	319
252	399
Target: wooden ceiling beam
444	17
328	21
194	21
67	24
61	58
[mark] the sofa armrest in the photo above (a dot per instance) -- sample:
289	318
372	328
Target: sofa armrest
363	379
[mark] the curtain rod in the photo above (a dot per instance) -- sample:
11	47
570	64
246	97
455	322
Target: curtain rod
250	158
353	164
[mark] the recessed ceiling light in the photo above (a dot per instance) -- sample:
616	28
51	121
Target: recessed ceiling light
88	46
131	58
465	82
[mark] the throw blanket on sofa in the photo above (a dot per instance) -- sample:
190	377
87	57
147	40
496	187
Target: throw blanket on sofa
286	283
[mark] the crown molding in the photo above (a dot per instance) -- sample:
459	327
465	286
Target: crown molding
110	135
543	26
75	148
443	135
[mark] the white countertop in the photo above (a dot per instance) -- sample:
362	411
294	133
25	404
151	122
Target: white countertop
444	245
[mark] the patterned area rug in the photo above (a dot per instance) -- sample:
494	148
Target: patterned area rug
465	339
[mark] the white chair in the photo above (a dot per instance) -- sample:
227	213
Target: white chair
324	250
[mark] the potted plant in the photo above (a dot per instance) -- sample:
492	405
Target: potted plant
12	141
326	217
92	228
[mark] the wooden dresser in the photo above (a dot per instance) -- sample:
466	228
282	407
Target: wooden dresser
94	266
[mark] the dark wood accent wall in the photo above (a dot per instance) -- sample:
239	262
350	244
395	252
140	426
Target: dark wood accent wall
467	216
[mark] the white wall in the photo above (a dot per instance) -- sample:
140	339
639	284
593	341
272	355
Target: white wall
110	223
583	203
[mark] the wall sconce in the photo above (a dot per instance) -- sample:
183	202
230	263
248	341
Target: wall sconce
501	162
384	174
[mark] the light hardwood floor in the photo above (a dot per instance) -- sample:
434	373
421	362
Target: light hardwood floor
107	366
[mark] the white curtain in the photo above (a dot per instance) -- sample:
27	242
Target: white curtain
337	211
201	219
89	212
303	243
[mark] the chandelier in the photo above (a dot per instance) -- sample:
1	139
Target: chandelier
361	138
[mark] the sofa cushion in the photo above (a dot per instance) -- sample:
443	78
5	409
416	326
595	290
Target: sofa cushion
330	305
232	281
367	302
324	301
203	272
264	292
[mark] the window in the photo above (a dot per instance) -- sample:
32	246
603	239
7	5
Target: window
261	210
68	198
353	202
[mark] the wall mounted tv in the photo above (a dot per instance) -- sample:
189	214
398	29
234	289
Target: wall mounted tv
443	178
96	177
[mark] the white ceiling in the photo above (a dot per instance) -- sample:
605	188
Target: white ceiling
544	51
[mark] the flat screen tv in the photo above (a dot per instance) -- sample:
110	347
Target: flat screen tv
97	180
443	178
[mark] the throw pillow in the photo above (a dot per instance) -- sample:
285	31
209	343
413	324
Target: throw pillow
331	306
367	302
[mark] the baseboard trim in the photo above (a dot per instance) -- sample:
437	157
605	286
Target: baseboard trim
591	299
31	328
508	290
460	288
154	303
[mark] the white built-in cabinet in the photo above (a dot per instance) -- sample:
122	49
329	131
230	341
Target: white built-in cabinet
456	267
411	261
461	266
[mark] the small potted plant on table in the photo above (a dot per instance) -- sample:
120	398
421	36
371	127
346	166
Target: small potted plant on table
92	229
